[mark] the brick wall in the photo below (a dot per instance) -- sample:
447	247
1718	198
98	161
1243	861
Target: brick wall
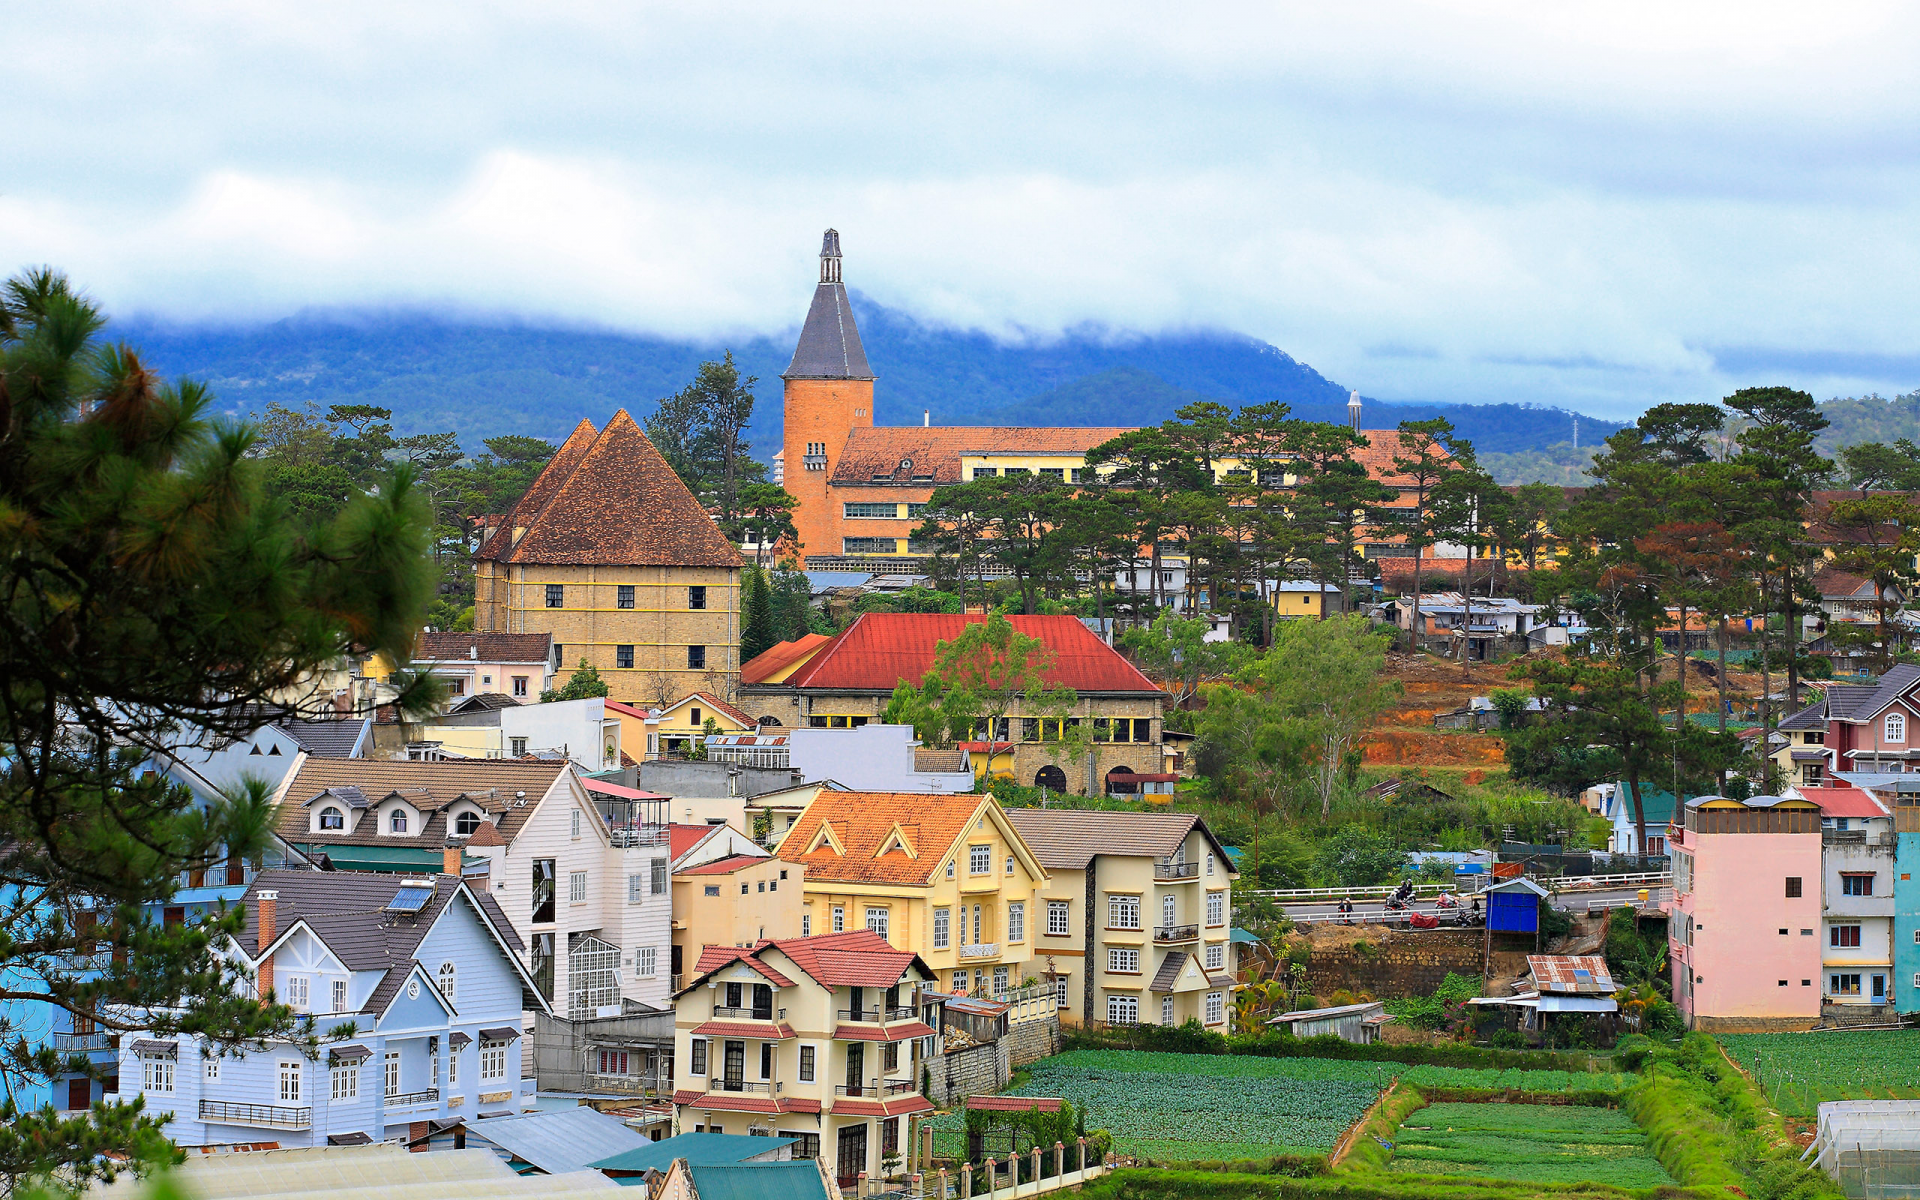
971	1072
1032	1041
1404	965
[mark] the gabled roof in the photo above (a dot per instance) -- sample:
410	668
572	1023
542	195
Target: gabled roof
484	702
699	1149
879	650
1066	839
545	484
934	452
725	866
618	504
1656	804
331	739
1846	801
682	838
840	835
775	658
491	784
484	647
856	958
1835	584
1813	716
709	700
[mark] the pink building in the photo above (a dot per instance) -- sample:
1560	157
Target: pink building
1745	931
515	665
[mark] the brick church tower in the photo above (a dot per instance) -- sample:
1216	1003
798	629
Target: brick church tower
829	394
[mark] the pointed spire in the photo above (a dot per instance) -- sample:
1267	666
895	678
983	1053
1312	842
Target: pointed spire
830	257
829	345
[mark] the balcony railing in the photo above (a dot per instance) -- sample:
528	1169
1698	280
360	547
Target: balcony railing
631	1085
1168	934
740	1085
265	1116
1168	869
627	837
983	950
676	981
876	1088
402	1099
722	1012
877	1016
81	1043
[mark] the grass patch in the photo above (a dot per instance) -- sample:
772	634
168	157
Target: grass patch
1529	1143
1799	1070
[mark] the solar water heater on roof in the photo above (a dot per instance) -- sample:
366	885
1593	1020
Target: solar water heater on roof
410	899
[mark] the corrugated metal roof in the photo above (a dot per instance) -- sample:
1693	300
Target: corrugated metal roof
1844	802
880	649
760	1181
560	1140
1571	974
699	1149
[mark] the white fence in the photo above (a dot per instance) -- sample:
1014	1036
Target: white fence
1560	883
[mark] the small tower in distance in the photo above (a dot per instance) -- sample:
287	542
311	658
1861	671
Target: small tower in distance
1353	410
828	394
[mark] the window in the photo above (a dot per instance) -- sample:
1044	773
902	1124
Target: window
577	887
646	962
519	685
806	1064
1060	991
857	510
766	1060
543	880
623	596
806	924
985	472
1896	727
869	545
942	925
393	1073
346	1081
877	921
453	1067
1168	912
1812	775
698	1056
576	822
339	996
636	888
659	869
493	1061
1209	864
1216	1007
1216	957
1017	921
467	823
950	866
1216	908
1123	1010
696	658
1058	917
156	1073
289	1083
623	657
298	991
1056	473
213	1070
1124	962
697	596
517	747
1843	985
1123	912
556	595
446	981
1009	864
1166	1010
915	509
397	823
1856	884
613	1062
979	860
713	889
839	920
332	818
1843	936
1793	887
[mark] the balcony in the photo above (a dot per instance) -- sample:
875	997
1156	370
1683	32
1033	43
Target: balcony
406	1099
722	1012
629	836
1173	935
1166	869
879	1016
677	981
875	1089
740	1085
264	1116
983	950
631	1085
82	1043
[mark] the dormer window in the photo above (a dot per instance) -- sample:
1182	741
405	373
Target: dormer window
467	823
332	818
1896	727
397	823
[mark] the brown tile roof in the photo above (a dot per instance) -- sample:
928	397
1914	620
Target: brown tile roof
1067	838
773	658
926	758
936	451
491	647
709	700
489	783
619	504
863	821
545	484
1834	583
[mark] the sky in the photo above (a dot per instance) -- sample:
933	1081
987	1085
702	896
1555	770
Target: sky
1599	206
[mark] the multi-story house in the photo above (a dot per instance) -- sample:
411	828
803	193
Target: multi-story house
1862	727
425	969
611	556
1857	893
1902	796
846	681
1135	928
946	877
1745	935
578	865
515	665
729	891
683	722
819	1039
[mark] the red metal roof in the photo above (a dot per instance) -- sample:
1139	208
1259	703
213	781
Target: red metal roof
621	790
1844	802
880	649
726	866
891	1033
1014	1103
782	654
682	838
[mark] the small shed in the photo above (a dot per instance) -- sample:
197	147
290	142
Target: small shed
1572	983
1356	1023
1513	906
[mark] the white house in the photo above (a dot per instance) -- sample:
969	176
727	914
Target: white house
414	984
585	731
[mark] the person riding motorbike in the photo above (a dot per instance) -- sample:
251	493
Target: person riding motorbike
1346	911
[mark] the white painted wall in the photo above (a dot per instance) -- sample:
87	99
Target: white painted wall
872	758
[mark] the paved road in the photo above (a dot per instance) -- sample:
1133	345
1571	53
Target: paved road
1375	909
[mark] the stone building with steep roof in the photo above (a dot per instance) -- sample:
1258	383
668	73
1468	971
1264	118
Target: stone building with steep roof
613	558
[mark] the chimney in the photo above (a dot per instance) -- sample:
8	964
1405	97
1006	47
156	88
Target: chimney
268	902
473	651
450	861
926	417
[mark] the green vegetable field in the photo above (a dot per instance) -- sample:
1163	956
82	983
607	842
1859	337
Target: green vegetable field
1798	1070
1529	1143
1222	1108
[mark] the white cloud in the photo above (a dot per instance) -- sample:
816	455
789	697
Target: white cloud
1559	203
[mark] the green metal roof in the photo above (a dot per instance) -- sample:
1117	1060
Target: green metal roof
1243	937
699	1149
760	1181
1657	805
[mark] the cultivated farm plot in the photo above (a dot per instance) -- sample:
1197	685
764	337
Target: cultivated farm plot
1224	1108
1528	1143
1799	1070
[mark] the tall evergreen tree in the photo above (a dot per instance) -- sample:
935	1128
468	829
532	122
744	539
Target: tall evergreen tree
757	632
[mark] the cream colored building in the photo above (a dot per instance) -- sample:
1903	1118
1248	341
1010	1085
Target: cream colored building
729	891
1134	927
610	555
941	875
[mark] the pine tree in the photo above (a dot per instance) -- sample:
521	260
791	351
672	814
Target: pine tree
757	633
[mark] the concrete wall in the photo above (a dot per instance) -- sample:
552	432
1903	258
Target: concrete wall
1406	965
566	1053
673	777
1729	954
872	758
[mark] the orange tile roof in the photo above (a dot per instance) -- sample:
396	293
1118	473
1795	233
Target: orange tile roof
862	821
784	654
617	503
711	701
856	958
936	451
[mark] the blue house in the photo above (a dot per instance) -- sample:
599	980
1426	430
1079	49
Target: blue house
425	969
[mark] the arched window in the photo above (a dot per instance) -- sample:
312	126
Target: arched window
332	818
1896	727
447	981
1051	777
466	823
398	822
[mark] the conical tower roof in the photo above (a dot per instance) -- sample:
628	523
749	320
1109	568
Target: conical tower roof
830	341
